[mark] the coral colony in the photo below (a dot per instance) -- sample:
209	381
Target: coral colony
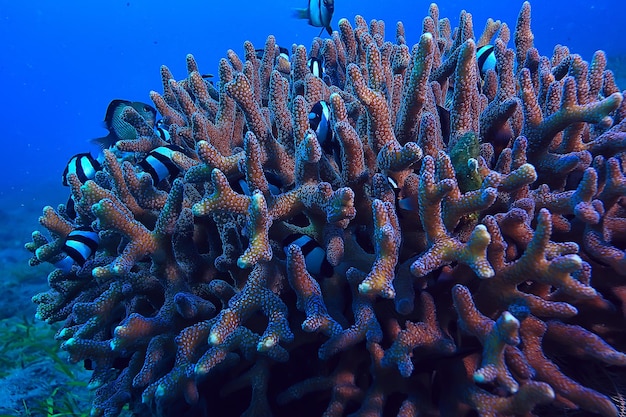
412	231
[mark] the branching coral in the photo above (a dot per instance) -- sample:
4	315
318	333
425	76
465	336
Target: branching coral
441	239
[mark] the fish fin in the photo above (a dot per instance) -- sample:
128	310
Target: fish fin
408	204
320	34
329	30
105	142
301	13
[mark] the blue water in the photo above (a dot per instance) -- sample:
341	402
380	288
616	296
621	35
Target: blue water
61	62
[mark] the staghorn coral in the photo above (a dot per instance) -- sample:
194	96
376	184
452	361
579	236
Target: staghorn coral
475	270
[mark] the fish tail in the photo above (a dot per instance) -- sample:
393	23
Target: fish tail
301	13
105	142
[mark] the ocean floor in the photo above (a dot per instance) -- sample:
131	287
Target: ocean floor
35	377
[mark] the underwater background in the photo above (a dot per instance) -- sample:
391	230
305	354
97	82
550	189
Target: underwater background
62	62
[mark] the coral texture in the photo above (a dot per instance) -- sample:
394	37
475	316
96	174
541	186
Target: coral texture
443	239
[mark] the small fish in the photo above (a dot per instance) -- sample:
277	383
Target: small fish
207	78
118	128
158	163
314	255
241	185
319	14
83	165
79	245
396	192
316	66
405	203
282	51
70	208
162	130
319	121
486	58
394	185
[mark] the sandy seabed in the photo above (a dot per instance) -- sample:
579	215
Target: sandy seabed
34	373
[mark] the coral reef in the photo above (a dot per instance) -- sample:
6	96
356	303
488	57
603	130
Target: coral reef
443	239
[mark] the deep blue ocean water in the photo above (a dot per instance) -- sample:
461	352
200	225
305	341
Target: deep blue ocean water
61	62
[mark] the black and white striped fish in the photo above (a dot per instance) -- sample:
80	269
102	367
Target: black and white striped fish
316	66
486	58
162	130
79	245
158	163
405	203
274	184
282	51
314	255
70	208
83	165
319	121
319	13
